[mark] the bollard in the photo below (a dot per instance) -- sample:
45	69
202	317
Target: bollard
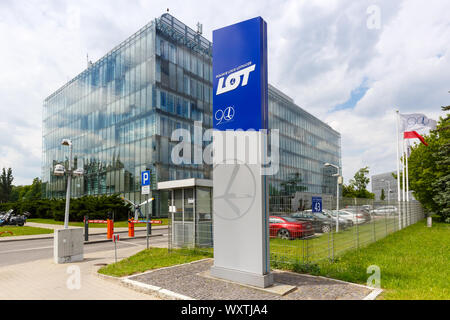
429	222
86	228
110	228
130	228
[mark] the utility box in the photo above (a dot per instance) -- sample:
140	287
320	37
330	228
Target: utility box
68	245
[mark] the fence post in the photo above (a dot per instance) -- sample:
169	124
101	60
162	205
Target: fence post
357	235
332	245
307	250
303	250
329	243
385	225
374	237
86	228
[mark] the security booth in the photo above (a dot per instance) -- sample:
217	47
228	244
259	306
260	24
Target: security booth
190	211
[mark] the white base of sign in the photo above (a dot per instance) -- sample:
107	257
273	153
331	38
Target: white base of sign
240	208
252	279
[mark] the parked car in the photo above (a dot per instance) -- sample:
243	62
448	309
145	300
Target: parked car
384	210
356	218
343	222
289	228
358	211
321	223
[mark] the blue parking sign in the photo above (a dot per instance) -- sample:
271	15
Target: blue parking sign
145	178
316	204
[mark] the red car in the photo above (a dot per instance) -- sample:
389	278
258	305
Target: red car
289	228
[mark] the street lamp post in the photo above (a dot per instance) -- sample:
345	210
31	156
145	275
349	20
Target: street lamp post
67	142
338	176
59	171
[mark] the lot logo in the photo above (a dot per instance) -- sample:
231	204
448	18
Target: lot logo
224	115
234	79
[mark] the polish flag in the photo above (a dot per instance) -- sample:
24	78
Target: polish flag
414	135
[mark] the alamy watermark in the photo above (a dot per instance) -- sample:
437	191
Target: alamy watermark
374	280
374	17
229	147
74	280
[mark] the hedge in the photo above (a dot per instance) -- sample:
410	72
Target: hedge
96	207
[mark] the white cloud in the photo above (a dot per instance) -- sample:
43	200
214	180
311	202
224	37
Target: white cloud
319	51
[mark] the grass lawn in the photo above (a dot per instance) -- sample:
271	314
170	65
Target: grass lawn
117	224
414	263
22	231
153	258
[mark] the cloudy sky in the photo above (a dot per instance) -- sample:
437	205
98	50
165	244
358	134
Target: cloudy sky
350	63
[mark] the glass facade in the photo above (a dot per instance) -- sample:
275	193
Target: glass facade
306	144
120	113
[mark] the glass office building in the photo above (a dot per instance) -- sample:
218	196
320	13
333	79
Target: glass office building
121	111
306	144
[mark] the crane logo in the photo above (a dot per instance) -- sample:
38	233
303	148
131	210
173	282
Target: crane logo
237	200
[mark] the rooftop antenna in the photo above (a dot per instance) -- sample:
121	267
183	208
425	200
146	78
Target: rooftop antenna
89	62
199	28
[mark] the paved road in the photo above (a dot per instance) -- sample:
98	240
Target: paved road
16	252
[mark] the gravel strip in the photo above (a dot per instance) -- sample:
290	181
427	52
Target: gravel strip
185	280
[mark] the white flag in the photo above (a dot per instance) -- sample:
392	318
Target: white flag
416	121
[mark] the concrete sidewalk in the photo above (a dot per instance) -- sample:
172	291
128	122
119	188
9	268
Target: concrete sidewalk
44	280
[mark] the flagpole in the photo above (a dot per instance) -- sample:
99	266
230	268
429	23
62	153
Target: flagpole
404	182
408	219
398	175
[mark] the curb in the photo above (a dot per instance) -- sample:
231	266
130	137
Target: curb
51	237
41	238
373	295
158	291
375	292
148	288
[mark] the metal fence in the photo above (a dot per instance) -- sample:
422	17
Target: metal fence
357	223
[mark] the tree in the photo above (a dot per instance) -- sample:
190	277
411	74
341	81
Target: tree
357	186
6	179
382	196
348	191
28	193
429	169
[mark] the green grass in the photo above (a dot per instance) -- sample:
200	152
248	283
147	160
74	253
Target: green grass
414	263
153	258
117	224
22	231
